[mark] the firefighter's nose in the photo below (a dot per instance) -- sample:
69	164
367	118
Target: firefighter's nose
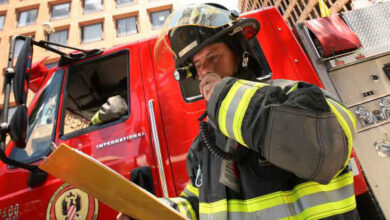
204	71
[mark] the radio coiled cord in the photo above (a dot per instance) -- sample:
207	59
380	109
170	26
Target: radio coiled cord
230	156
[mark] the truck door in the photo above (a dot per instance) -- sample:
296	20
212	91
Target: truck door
61	113
122	143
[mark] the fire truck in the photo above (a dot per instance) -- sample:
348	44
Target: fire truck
149	144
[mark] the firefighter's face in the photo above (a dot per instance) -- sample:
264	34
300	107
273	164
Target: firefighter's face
216	58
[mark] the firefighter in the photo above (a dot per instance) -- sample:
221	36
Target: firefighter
276	150
114	107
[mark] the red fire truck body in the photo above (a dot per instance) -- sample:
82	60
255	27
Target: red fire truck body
151	142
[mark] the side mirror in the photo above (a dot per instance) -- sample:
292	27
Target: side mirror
18	126
22	72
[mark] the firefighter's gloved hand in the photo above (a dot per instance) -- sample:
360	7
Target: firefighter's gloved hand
207	84
121	216
113	109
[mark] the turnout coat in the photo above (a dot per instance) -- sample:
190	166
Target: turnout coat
299	142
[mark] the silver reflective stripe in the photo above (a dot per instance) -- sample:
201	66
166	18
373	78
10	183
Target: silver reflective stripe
286	210
184	206
243	215
249	83
233	108
322	198
307	202
188	48
189	193
344	114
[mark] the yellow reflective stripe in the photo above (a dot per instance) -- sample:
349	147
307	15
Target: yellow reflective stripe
240	113
349	113
224	108
249	89
324	10
179	206
190	209
277	198
326	210
346	129
242	107
295	87
192	189
95	119
313	187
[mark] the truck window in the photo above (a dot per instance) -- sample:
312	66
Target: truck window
42	122
89	86
259	55
190	87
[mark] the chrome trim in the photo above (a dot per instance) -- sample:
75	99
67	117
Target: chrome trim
157	148
323	59
266	77
306	31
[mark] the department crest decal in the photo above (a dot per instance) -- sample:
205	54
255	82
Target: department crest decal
69	203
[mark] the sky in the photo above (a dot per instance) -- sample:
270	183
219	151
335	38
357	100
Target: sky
230	4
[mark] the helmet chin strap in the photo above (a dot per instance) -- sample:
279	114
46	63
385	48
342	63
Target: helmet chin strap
245	60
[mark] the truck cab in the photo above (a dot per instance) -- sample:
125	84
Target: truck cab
147	145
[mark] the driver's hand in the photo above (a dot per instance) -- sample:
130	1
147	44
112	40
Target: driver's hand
207	84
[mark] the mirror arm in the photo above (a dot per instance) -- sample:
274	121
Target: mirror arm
45	44
9	74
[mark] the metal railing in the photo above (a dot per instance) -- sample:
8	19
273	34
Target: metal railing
296	11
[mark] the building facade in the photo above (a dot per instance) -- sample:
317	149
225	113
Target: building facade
296	11
82	24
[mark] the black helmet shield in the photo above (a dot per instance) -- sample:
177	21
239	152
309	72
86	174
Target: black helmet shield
191	29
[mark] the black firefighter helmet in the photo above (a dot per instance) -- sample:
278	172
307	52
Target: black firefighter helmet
190	29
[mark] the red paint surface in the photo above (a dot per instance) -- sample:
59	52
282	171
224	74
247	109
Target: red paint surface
176	120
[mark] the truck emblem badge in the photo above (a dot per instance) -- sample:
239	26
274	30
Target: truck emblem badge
71	206
69	203
120	140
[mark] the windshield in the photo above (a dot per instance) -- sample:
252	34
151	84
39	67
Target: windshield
42	121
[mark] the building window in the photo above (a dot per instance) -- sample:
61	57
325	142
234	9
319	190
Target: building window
2	2
19	43
2	18
18	47
92	33
27	17
60	10
93	5
120	3
158	18
59	37
126	26
11	111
